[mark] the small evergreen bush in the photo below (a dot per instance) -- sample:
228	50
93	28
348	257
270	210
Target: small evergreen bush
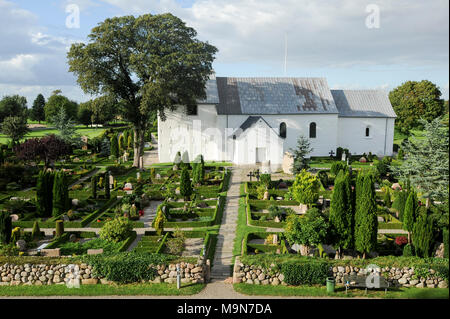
307	273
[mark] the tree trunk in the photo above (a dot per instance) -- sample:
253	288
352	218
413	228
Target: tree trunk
138	147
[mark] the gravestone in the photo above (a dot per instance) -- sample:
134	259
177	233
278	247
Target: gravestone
303	209
138	175
14	217
85	140
277	220
95	251
111	181
141	161
158	176
125	157
128	186
72	238
56	252
343	158
21	244
265	167
275	239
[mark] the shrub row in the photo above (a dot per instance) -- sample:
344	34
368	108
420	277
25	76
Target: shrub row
307	273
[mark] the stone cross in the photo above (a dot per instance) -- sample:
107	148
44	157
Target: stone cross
331	153
250	175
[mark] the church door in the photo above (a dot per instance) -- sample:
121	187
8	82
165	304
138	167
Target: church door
260	154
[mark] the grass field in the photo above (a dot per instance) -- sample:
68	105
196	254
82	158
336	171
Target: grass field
103	290
321	291
39	132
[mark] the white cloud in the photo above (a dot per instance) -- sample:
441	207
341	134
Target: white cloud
321	33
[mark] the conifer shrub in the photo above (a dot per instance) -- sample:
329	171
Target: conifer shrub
5	227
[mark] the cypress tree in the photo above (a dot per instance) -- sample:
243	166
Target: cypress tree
185	184
5	227
129	142
125	136
121	144
50	180
41	193
409	215
198	170
341	215
422	236
387	198
60	194
94	186
107	186
114	146
36	231
366	223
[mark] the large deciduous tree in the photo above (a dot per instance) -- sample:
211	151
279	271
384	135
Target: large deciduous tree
148	63
414	100
57	102
15	127
14	105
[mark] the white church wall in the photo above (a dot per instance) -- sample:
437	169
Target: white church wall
326	130
352	135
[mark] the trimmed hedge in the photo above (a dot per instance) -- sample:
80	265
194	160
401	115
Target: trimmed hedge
306	273
127	242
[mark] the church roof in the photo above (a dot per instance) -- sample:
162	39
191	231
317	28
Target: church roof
249	122
263	96
274	96
363	103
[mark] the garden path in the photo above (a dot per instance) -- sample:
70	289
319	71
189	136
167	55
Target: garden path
227	232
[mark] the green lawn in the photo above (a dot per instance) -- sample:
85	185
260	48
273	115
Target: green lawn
103	290
321	291
82	130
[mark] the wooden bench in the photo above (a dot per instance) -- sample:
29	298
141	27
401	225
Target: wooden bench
354	281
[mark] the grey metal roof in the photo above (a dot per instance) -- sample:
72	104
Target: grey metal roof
363	103
274	96
249	122
212	96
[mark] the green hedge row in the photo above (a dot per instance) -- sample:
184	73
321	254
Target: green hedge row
307	273
127	242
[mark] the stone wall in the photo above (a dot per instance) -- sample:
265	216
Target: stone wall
398	277
42	274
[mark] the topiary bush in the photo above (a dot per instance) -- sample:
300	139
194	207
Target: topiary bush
5	228
307	273
116	230
408	250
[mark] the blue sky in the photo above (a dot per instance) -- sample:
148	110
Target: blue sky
326	38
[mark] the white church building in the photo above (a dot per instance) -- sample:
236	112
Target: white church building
257	120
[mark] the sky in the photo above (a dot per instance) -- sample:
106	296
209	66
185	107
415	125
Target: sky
354	44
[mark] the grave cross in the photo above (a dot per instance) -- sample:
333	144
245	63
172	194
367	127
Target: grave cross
257	175
331	153
250	175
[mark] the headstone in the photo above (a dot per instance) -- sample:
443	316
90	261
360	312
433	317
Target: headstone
72	238
343	158
282	185
141	161
128	186
21	244
303	208
66	218
362	160
95	251
111	181
381	219
85	139
138	175
56	252
158	176
265	167
275	239
266	195
396	186
14	217
277	220
125	157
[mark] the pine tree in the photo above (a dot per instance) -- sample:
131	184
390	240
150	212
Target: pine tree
37	111
422	236
341	215
426	161
300	154
409	215
115	146
366	223
5	227
185	184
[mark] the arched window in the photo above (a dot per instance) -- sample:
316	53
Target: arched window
367	131
312	130
283	130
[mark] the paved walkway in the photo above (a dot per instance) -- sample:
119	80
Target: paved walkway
227	232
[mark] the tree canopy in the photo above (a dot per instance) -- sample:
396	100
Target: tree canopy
414	100
13	105
57	102
300	154
426	162
148	63
37	111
